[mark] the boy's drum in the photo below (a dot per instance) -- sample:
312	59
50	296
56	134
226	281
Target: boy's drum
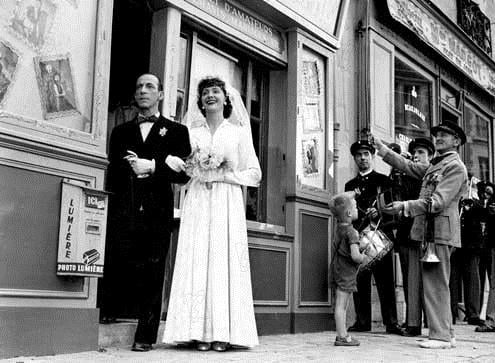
374	244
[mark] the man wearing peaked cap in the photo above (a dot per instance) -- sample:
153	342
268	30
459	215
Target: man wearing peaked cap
421	142
362	144
452	128
443	183
368	183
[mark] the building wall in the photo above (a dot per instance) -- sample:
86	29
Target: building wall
346	93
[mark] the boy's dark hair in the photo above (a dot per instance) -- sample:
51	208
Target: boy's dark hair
211	82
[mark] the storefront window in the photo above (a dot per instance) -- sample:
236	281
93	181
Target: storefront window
251	80
182	78
477	146
413	98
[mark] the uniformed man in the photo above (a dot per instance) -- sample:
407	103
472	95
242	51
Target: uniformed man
367	184
444	182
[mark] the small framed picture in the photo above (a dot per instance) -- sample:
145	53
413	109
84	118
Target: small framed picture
310	155
9	60
56	86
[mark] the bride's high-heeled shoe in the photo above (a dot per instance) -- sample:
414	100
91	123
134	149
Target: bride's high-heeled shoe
220	346
202	346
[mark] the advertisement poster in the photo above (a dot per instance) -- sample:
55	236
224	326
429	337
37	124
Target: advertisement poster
81	243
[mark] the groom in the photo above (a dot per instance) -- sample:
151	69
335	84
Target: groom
145	157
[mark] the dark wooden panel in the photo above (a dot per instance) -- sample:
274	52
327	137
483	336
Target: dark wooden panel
47	331
273	323
312	322
314	258
29	223
268	274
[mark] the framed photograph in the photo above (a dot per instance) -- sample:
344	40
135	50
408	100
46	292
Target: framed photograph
310	157
9	59
311	115
32	20
56	86
311	78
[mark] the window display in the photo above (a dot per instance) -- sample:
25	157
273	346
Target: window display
413	98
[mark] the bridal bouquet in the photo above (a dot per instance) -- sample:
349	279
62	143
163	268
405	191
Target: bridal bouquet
205	164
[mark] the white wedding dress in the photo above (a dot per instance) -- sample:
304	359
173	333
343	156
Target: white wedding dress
211	297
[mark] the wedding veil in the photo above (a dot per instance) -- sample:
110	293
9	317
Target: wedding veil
239	114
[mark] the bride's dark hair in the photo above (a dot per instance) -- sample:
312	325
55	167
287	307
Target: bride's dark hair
211	82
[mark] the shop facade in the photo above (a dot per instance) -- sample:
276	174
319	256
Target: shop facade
422	68
419	64
70	81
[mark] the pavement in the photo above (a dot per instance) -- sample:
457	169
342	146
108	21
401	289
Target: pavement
376	346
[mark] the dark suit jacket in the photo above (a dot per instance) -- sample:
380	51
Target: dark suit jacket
153	195
369	186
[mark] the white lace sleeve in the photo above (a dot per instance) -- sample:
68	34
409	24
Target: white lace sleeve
248	171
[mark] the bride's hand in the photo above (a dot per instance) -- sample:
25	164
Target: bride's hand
175	163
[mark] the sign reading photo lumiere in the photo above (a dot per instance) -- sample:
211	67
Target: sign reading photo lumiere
81	242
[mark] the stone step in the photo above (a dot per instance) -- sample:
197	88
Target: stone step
121	333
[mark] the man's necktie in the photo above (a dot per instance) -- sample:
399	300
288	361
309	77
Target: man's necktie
141	119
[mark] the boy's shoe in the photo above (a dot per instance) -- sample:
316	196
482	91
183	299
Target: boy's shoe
436	344
346	341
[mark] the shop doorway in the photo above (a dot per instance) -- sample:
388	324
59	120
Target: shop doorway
130	53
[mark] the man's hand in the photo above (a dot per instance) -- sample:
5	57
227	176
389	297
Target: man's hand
393	208
175	163
141	167
371	213
376	142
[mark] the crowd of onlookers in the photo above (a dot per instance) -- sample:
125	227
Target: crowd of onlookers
474	263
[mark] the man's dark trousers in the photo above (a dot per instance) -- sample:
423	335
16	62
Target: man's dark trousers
383	273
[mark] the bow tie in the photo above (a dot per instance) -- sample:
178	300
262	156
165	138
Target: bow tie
141	119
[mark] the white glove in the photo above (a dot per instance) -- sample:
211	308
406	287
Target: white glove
175	163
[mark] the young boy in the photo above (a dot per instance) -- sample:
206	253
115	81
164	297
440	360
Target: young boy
345	262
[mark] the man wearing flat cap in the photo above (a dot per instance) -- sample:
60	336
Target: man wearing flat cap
444	182
368	183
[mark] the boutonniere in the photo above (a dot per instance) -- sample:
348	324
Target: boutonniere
163	131
434	179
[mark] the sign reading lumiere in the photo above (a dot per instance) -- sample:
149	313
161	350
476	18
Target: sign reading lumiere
81	243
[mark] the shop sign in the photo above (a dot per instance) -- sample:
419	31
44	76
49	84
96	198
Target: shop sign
415	110
440	38
322	13
81	243
250	25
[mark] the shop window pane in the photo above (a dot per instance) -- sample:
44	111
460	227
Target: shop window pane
477	146
413	99
256	95
450	96
179	106
181	82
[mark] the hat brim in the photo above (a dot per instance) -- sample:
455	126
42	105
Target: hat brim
435	129
354	150
413	145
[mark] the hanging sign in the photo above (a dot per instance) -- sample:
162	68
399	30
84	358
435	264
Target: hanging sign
81	242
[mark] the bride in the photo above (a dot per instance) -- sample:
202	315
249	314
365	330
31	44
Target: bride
211	303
